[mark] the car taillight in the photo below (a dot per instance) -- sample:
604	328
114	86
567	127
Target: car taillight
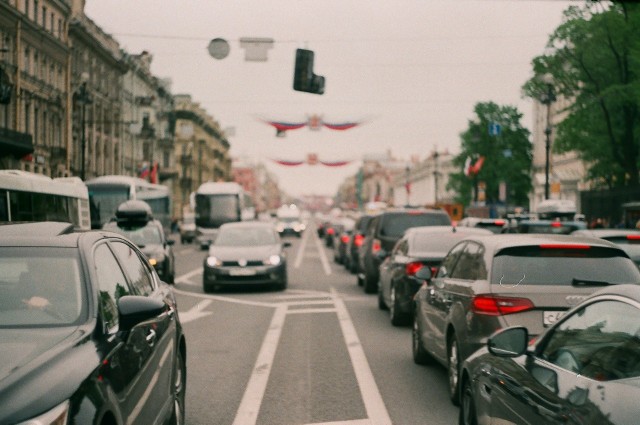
344	239
499	222
499	306
564	246
376	246
556	224
434	270
358	240
633	237
411	268
330	231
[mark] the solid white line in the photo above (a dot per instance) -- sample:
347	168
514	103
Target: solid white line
323	256
303	245
308	302
352	422
376	410
312	310
250	405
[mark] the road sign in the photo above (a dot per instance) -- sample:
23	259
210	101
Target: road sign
494	129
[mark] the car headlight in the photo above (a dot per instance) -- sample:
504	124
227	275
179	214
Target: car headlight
213	262
273	260
56	416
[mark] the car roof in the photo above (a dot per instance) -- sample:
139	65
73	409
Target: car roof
42	234
448	229
248	224
603	233
497	242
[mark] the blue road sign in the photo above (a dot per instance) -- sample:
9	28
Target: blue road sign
494	129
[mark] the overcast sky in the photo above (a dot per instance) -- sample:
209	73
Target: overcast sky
410	70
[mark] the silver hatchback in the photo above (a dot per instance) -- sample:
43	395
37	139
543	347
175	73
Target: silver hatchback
487	283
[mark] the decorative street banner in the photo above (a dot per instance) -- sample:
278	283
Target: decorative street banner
312	159
314	122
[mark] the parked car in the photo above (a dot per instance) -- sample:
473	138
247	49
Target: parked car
494	224
419	247
187	228
355	243
89	334
246	253
627	239
382	234
135	221
583	370
486	283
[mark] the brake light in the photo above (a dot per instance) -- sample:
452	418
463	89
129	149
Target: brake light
411	268
499	306
499	222
633	237
376	246
344	238
564	246
358	240
556	224
434	270
330	231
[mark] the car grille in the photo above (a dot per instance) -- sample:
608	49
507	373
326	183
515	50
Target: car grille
235	263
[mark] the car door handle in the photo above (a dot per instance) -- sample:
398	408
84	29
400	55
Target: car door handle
151	338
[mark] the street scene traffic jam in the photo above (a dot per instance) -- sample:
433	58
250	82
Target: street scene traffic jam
319	213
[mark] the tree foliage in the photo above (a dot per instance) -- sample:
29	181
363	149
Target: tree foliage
508	156
593	59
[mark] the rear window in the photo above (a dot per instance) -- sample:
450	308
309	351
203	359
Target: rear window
630	245
552	228
495	227
554	265
394	225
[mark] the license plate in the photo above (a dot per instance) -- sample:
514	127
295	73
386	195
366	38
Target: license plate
242	272
551	317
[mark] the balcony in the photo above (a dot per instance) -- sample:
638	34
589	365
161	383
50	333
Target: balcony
15	143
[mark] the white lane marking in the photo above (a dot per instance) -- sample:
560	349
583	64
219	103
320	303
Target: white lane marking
308	302
250	405
352	422
323	256
195	312
373	402
185	277
225	299
303	245
312	310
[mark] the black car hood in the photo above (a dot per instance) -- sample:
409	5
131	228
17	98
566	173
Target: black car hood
249	253
40	368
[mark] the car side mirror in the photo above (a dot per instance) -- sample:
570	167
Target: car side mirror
424	273
381	255
135	309
509	342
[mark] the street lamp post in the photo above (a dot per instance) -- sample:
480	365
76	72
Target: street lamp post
547	99
83	97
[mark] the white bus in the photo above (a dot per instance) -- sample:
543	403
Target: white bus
28	196
216	203
106	193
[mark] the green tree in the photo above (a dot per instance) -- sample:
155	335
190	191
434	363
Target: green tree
593	59
508	156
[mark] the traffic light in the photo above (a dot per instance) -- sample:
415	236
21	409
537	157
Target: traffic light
304	79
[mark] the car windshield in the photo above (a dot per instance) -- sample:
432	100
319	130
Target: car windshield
246	236
39	287
595	266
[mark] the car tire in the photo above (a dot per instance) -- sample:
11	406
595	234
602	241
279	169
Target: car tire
453	369
467	407
381	304
420	355
179	394
370	286
397	317
360	280
170	276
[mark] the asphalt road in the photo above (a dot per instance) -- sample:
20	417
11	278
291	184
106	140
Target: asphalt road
319	353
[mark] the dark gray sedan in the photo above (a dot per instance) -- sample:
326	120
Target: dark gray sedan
424	246
583	370
246	253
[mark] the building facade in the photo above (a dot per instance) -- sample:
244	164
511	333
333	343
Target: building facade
34	86
202	149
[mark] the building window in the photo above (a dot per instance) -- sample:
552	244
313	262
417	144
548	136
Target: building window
35	10
166	159
60	28
35	64
53	20
27	62
27	116
36	129
26	7
44	17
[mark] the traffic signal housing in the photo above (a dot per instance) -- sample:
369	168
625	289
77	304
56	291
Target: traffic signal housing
304	79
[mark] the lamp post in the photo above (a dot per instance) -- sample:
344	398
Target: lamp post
547	99
83	97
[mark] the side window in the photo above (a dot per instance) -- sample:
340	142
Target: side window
600	341
111	284
449	262
139	273
401	247
471	263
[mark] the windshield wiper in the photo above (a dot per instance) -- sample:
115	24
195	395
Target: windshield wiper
584	282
